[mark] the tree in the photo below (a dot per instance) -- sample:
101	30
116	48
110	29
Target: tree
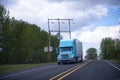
110	48
23	42
5	35
54	43
91	53
117	48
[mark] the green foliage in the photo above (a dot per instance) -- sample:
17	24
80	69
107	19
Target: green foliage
110	48
15	67
5	34
91	53
22	42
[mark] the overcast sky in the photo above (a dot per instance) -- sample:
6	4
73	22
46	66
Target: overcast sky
94	19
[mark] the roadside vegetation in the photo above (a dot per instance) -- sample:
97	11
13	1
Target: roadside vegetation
16	67
22	42
91	54
110	49
116	60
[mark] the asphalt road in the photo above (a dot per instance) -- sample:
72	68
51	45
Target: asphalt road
87	70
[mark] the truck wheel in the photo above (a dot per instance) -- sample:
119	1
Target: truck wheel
76	60
81	59
59	63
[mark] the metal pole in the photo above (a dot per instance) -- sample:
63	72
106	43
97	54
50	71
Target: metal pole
69	28
59	27
49	32
49	55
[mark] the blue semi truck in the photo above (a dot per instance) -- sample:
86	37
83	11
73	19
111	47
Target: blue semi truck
69	51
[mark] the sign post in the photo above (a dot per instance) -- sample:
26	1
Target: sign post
48	49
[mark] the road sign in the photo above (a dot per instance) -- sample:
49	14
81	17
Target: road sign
48	49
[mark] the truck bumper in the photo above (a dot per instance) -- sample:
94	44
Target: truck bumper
67	60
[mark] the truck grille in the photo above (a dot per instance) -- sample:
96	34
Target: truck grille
64	56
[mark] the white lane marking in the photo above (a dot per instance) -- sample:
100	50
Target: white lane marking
113	65
27	71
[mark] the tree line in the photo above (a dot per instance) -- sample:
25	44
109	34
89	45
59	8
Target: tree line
110	48
91	53
22	42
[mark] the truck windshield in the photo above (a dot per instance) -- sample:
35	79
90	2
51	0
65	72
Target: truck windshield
66	49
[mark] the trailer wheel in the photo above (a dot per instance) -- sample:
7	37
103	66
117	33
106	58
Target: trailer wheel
81	59
76	60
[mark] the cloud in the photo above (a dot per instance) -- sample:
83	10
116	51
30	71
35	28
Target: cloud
57	1
38	11
97	34
84	12
86	4
114	3
93	38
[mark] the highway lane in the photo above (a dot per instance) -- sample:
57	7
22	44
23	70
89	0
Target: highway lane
97	70
88	70
39	73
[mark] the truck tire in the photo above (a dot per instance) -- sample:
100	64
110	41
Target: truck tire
76	60
59	63
81	59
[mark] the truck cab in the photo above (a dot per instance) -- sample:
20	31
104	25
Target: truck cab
68	51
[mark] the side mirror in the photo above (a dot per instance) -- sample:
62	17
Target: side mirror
57	51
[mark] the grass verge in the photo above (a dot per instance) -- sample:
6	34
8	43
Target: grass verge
15	67
117	60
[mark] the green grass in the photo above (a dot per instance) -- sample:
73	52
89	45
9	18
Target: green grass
116	60
15	67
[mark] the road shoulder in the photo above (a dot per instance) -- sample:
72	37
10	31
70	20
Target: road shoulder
114	64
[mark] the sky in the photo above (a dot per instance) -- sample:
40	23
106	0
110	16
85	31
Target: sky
93	20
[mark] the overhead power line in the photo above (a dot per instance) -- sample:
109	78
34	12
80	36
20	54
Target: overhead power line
59	30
